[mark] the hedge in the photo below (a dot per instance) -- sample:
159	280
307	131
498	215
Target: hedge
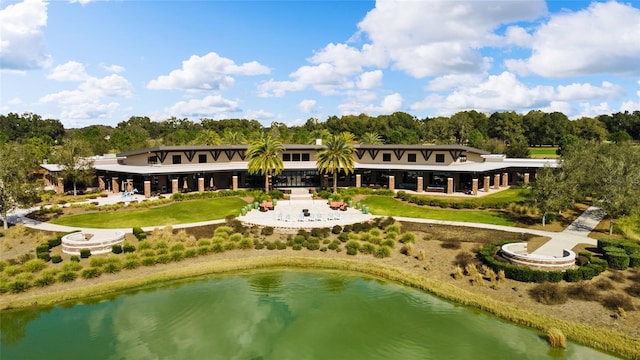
524	274
445	203
620	254
634	260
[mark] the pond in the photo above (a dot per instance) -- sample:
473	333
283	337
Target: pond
275	314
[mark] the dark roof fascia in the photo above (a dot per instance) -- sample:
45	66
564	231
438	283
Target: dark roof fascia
423	147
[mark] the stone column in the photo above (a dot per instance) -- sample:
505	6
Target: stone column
526	178
115	185
129	185
200	184
496	181
420	184
505	179
174	186
234	182
487	183
358	180
325	181
101	184
147	189
474	187
392	182
449	185
60	187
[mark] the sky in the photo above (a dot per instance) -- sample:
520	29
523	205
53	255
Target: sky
87	62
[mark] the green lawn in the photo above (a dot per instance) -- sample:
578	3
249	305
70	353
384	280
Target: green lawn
543	152
387	206
176	213
504	196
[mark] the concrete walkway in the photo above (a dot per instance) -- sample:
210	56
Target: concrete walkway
574	234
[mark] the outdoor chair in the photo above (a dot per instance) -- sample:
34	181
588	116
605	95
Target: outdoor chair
301	217
318	217
279	216
336	216
287	218
329	216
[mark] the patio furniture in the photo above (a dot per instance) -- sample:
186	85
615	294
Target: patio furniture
301	217
279	216
287	218
318	217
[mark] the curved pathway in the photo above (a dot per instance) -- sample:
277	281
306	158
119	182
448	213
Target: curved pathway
576	233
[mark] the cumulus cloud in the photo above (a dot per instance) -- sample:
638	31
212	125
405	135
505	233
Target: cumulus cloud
212	106
390	104
259	115
93	98
603	38
431	38
70	71
209	72
370	80
113	68
307	105
506	92
22	43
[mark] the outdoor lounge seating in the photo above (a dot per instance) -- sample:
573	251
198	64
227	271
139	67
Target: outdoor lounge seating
268	205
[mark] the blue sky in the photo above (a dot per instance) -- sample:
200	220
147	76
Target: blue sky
99	62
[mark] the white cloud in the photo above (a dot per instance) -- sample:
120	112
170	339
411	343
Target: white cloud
307	105
369	80
209	72
452	81
259	115
212	106
81	2
517	35
70	71
22	43
390	104
506	92
113	68
431	38
90	99
604	38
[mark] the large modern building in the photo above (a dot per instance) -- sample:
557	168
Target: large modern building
421	168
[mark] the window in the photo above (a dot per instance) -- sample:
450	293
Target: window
463	158
202	158
286	157
177	159
152	160
439	158
386	157
295	157
305	157
411	157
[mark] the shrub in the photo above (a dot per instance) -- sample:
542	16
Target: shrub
139	233
280	245
297	247
458	273
44	256
97	261
463	259
343	237
270	245
383	252
56	241
451	244
267	231
85	253
91	273
116	249
176	247
603	284
42	248
617	300
19	285
556	338
634	260
67	276
616	276
335	244
245	243
617	260
56	259
177	255
128	248
111	267
408	237
72	266
217	247
46	279
633	289
131	264
336	229
583	291
389	243
407	249
144	244
548	294
235	237
367	248
148	261
34	265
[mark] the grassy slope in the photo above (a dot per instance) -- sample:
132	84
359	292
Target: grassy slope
175	213
509	196
543	152
383	205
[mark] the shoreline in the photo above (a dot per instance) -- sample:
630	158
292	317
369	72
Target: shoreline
599	338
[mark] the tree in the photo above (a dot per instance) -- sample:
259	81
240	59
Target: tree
336	155
264	158
549	193
233	137
206	137
73	158
371	138
15	187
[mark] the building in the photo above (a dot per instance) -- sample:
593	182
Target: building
421	168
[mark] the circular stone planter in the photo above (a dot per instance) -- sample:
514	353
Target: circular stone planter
517	254
99	242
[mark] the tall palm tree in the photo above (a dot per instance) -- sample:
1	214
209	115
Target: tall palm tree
264	157
336	155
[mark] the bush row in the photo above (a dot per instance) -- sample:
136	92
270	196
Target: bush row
620	254
446	203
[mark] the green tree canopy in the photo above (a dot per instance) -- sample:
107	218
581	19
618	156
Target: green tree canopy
336	155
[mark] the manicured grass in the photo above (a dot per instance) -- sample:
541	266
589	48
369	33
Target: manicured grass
543	152
504	196
387	206
177	213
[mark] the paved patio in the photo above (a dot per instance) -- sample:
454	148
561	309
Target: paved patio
287	214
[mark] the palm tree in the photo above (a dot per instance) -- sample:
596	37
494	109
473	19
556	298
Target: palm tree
264	158
371	138
336	155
